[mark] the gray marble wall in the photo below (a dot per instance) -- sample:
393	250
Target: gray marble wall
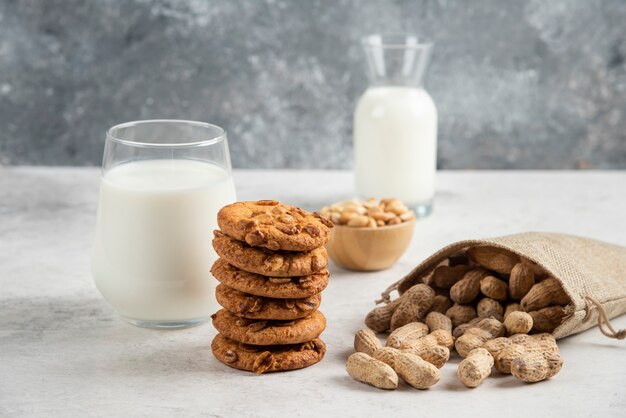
518	84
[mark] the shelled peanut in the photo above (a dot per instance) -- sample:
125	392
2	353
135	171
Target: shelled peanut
480	294
369	213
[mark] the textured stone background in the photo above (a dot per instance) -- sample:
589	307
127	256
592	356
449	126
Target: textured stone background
519	84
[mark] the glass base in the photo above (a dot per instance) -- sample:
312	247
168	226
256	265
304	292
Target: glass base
167	324
422	210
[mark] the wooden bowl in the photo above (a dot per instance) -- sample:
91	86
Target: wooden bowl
369	249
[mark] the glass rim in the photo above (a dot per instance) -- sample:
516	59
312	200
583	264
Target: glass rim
395	41
219	137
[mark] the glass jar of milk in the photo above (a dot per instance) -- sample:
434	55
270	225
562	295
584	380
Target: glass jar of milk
163	182
395	124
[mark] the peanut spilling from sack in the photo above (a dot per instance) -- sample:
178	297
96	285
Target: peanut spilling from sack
489	305
369	213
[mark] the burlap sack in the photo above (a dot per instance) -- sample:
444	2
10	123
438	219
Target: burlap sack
593	273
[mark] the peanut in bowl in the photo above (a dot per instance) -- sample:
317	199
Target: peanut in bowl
369	235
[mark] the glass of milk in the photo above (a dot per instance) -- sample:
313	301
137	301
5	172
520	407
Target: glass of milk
395	124
163	182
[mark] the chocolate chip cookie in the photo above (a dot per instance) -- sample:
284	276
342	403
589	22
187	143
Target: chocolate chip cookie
269	263
256	307
273	225
261	332
259	359
272	287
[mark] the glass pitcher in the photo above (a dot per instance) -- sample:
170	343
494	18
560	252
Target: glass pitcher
395	124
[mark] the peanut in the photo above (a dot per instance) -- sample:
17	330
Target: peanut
518	323
475	336
525	338
467	289
537	271
493	258
370	213
263	362
441	304
439	337
539	343
416	371
415	303
521	281
512	307
460	330
374	372
535	367
475	368
371	202
365	341
387	355
358	221
546	293
494	346
487	308
437	320
407	334
505	357
406	216
445	276
547	319
436	355
494	288
379	319
443	337
460	314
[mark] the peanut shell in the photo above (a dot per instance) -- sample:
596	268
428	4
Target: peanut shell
546	293
365	341
521	281
487	308
414	305
494	288
407	334
460	314
547	319
475	368
374	372
493	258
468	288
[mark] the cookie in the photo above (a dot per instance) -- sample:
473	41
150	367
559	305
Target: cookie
259	359
256	307
273	225
261	332
269	263
273	287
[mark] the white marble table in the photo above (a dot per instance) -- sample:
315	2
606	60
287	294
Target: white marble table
64	351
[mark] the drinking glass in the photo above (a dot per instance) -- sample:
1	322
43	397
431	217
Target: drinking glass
163	182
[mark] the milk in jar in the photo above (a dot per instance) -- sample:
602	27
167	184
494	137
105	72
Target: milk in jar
395	124
395	142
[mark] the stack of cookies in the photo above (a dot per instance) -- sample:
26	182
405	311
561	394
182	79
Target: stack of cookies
272	268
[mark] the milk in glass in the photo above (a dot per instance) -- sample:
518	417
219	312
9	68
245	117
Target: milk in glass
152	253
